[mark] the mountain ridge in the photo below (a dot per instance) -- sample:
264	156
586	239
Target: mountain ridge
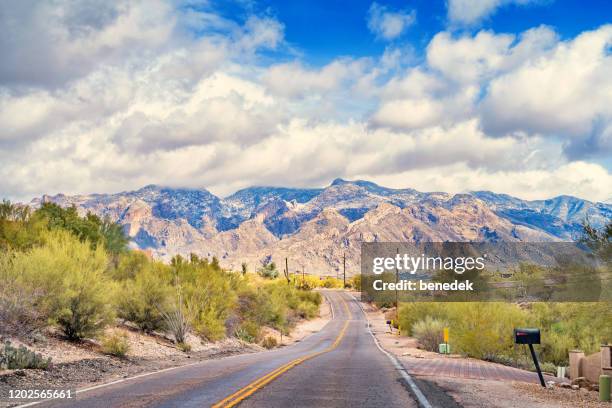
315	227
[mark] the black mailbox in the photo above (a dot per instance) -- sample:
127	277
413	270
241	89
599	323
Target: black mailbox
527	336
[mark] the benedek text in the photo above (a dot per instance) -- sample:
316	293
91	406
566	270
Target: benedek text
423	285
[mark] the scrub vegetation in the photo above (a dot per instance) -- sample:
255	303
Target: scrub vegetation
76	274
485	329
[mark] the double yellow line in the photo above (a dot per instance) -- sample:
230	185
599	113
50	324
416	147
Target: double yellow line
241	394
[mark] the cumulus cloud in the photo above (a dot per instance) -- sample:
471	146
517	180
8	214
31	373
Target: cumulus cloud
52	42
472	11
294	80
191	98
583	179
388	25
565	92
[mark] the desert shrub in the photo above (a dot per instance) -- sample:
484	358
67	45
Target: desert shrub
116	344
19	314
313	281
411	313
310	296
356	282
207	295
331	283
14	358
281	298
269	342
485	328
254	305
307	310
567	326
142	299
184	347
174	317
20	229
248	331
68	278
129	264
429	332
268	271
477	329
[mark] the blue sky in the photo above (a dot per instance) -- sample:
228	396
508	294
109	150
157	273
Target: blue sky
324	30
513	96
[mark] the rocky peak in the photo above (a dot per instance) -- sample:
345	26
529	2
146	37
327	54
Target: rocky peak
316	226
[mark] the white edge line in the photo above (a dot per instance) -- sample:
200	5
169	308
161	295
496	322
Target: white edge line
83	390
331	307
398	365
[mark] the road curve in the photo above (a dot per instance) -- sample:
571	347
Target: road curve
340	366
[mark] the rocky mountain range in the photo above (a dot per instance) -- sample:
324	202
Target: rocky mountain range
314	228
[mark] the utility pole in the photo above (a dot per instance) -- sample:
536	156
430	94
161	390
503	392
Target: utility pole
344	268
287	271
396	293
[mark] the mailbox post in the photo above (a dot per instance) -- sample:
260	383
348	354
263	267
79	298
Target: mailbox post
530	337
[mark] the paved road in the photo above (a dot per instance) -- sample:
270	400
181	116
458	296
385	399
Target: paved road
339	366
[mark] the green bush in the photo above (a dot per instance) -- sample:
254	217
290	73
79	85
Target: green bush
116	344
249	332
485	330
307	310
356	282
14	358
208	296
58	268
310	296
129	264
68	278
429	332
143	299
184	347
19	314
331	283
268	271
411	313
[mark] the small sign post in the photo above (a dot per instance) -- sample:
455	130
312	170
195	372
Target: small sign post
445	335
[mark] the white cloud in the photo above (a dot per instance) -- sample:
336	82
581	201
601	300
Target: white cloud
472	11
52	42
468	59
389	25
582	179
294	80
564	92
519	114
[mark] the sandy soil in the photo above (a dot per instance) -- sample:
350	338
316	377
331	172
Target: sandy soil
497	394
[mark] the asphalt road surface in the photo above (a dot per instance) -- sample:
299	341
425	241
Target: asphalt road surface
340	366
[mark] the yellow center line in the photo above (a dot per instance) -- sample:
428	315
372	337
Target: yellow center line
241	394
